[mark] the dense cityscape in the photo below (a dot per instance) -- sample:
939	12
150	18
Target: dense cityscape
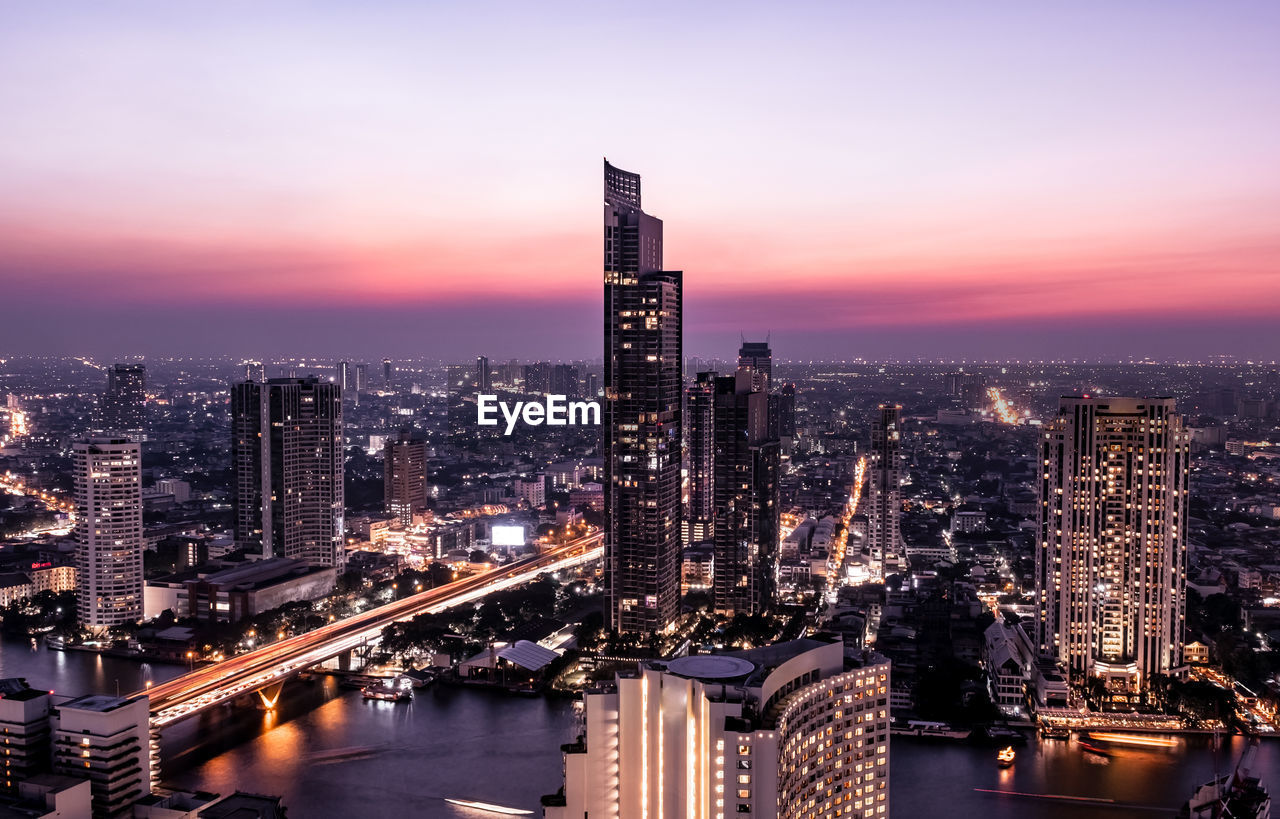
900	439
752	581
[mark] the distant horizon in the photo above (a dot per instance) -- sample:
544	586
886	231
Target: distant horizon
1076	182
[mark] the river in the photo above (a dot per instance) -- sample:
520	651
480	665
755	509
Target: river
329	752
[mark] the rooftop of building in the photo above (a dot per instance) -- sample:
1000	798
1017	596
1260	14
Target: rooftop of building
101	703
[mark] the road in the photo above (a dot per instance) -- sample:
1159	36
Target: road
184	696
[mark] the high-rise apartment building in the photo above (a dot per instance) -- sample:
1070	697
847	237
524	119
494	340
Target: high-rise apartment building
124	405
746	496
564	380
404	467
537	378
106	740
108	531
884	491
642	414
700	409
796	730
1111	568
288	460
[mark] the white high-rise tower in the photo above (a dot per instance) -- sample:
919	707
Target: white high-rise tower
108	485
1111	567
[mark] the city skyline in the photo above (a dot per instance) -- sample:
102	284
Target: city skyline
347	172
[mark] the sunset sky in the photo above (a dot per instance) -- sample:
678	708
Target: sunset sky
867	179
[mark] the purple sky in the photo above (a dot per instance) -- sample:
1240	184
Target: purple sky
864	179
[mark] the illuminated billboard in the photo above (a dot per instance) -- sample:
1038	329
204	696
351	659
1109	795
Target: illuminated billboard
507	535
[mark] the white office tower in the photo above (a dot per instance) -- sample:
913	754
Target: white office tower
1111	568
107	741
795	730
108	486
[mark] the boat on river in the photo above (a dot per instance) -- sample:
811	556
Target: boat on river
1006	756
1236	795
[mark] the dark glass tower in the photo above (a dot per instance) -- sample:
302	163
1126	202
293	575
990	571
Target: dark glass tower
700	407
746	496
124	404
642	409
757	357
287	455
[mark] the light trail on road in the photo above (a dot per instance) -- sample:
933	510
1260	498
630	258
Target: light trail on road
197	690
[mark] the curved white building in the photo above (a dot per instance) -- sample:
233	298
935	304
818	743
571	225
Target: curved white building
791	730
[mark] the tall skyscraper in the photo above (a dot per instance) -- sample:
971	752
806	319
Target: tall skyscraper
484	376
757	357
700	405
124	403
108	533
405	476
746	496
386	372
642	414
796	730
343	375
288	460
1111	568
884	491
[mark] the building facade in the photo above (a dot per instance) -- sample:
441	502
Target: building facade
404	472
288	461
108	531
884	491
107	741
1111	567
746	496
24	732
642	415
124	405
795	730
701	442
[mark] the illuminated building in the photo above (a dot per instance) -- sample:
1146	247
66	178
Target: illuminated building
795	730
124	403
1111	567
404	466
746	496
106	740
287	457
484	375
699	521
386	372
24	731
642	415
108	533
884	498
